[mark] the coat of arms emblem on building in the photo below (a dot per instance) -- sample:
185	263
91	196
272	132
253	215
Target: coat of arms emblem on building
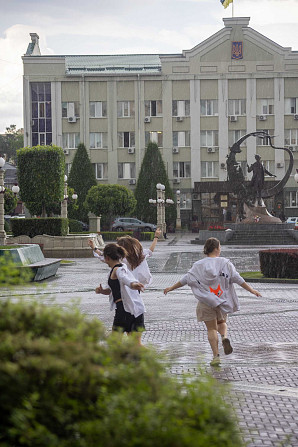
237	50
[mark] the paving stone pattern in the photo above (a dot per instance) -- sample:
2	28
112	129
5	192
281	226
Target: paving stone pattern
262	372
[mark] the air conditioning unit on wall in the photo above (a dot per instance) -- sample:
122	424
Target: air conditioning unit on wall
262	117
147	119
66	151
295	117
179	118
222	165
131	150
132	181
175	150
72	119
233	118
176	180
210	149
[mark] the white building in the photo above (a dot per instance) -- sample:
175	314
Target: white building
194	104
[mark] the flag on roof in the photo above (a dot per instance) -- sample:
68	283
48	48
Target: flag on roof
225	3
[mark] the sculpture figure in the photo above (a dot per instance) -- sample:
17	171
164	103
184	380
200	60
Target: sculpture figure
257	181
247	194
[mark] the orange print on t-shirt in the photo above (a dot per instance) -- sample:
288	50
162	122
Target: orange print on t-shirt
217	292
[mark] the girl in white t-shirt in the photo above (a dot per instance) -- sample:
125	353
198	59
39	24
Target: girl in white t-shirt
136	258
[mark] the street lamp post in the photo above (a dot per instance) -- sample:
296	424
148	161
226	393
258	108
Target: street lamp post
178	219
161	203
296	180
64	201
2	190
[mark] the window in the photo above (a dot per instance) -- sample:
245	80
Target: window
126	139
265	106
41	113
209	107
70	140
235	135
265	141
209	169
209	138
126	170
67	168
101	170
181	169
291	199
185	201
153	108
291	106
181	139
291	137
155	137
236	107
125	109
98	109
98	140
269	166
70	109
181	108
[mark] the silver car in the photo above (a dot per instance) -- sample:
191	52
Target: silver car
130	223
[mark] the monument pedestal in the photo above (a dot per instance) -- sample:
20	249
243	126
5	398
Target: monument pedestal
258	215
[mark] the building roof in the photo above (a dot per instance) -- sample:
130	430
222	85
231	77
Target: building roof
126	63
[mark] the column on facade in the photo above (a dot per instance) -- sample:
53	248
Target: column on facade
279	125
223	126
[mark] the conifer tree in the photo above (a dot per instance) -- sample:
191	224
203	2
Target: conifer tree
153	171
81	179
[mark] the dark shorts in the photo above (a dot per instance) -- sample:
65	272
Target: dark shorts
125	322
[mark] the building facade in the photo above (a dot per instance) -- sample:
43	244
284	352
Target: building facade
194	105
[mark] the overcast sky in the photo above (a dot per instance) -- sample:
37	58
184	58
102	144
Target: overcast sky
119	27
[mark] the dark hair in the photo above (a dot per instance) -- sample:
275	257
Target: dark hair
114	252
211	244
134	249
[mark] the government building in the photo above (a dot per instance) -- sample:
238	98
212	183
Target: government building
193	104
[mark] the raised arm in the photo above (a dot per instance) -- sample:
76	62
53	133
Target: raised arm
173	287
250	289
156	237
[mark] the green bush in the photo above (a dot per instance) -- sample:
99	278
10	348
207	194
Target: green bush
64	383
279	263
74	226
12	274
53	226
6	226
113	235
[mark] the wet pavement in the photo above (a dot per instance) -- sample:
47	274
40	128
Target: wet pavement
262	372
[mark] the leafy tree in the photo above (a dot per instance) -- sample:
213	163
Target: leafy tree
81	179
41	177
110	201
10	201
64	383
153	171
11	141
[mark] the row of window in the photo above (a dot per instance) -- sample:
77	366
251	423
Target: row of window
208	138
208	107
181	169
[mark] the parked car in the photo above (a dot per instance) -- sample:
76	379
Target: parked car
129	223
293	220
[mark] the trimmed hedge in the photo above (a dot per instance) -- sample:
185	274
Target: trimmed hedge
64	383
74	226
53	226
113	235
279	263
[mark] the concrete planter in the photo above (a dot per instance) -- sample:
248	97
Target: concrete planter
71	246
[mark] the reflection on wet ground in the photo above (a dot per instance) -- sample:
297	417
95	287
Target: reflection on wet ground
180	262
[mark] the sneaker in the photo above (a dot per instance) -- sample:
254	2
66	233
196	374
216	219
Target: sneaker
227	346
215	361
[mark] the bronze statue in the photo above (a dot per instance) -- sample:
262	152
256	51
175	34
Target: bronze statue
247	194
257	181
